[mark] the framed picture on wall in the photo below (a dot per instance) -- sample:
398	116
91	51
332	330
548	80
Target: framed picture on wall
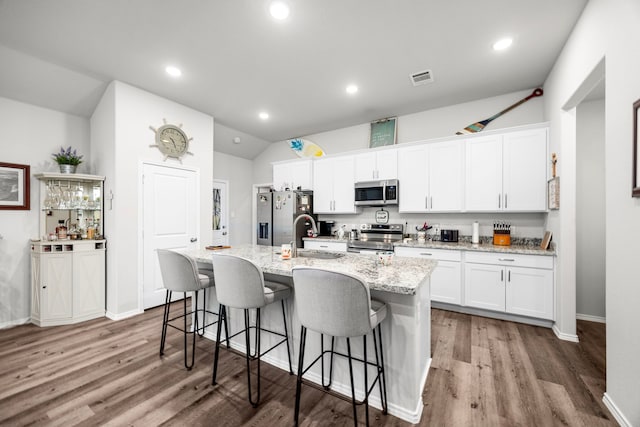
635	186
383	132
15	186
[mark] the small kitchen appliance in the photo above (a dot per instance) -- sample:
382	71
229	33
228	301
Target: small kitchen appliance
375	238
449	235
324	227
377	193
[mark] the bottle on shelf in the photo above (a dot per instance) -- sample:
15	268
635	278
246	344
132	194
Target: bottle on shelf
61	230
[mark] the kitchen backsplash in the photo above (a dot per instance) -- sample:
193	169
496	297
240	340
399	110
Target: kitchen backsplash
523	225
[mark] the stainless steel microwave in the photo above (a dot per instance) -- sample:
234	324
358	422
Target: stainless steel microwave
377	193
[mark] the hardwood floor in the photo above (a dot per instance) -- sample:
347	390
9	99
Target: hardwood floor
485	372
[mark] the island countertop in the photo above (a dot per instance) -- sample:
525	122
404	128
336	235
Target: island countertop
402	276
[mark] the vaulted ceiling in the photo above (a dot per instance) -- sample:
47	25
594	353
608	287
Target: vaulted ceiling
238	61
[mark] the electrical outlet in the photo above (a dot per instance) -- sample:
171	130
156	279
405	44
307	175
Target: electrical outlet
436	229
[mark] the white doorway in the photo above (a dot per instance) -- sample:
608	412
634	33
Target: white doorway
170	213
220	215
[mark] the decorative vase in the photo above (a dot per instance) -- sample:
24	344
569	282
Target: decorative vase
68	168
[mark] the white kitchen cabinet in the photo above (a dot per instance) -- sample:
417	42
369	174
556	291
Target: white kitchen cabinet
323	245
516	284
376	165
446	278
333	190
507	172
293	174
67	281
431	177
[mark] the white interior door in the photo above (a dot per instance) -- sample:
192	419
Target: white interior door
220	218
171	217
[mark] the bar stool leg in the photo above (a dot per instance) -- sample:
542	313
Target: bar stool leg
186	333
383	383
303	340
248	356
353	389
222	310
366	379
286	333
165	320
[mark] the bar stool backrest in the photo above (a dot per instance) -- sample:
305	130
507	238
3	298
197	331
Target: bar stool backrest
332	303
239	282
179	272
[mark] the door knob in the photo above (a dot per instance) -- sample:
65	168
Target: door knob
193	239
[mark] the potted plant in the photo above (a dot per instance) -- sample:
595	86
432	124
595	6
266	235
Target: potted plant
68	160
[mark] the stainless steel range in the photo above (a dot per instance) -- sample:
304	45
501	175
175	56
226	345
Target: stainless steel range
376	237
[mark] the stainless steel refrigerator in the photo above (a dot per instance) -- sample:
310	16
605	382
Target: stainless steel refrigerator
276	212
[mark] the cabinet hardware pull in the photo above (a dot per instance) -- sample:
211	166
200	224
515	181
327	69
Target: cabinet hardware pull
505	200
426	202
502	275
499	200
431	198
324	246
506	259
425	253
509	276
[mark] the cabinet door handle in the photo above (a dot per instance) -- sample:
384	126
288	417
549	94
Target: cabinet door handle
425	253
505	200
502	275
506	259
324	246
509	276
426	202
431	199
499	200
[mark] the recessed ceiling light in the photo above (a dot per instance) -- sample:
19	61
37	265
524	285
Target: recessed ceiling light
279	10
351	89
263	115
502	44
173	71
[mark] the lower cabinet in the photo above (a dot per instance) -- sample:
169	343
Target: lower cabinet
323	245
516	284
67	282
446	279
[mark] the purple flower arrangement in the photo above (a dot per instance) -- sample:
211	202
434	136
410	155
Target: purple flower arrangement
67	157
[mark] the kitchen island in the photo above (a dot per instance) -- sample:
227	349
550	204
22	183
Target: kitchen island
403	286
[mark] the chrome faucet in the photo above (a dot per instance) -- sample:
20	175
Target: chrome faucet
294	249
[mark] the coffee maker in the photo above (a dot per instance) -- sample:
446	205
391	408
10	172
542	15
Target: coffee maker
324	228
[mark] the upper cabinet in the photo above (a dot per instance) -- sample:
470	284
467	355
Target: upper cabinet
507	172
293	174
431	177
381	164
333	190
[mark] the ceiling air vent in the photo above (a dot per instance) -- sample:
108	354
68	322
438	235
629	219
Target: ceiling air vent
421	77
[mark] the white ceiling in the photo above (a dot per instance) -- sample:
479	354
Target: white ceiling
237	60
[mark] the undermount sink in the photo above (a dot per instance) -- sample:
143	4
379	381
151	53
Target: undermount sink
319	255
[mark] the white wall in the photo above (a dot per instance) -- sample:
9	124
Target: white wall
30	135
430	124
238	172
122	122
590	211
606	29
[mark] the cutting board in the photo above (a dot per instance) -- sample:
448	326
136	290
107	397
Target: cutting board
217	248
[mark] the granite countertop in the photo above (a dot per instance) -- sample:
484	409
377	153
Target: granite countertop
402	276
522	246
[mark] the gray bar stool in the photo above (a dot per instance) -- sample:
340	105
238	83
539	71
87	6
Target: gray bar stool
180	274
240	284
339	305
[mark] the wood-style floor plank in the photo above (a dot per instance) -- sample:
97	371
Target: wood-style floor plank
484	372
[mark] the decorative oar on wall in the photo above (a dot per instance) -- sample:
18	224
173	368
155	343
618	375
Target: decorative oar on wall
477	127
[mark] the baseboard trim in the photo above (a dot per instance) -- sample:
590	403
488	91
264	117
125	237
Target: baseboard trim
14	322
615	411
590	318
563	336
125	315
